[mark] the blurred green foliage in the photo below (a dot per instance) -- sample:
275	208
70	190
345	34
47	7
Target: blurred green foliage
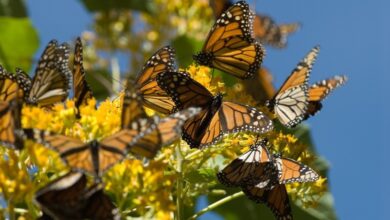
18	43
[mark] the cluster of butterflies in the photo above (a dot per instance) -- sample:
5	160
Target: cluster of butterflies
193	112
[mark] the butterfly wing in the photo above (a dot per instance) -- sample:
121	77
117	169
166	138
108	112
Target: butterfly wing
99	206
52	75
112	149
292	171
74	152
320	90
184	91
12	86
153	97
63	197
230	46
132	111
270	33
161	132
81	89
276	199
248	169
290	102
10	124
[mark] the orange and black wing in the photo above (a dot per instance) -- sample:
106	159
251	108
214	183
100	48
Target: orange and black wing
113	149
248	169
184	91
81	89
132	111
268	32
290	102
153	97
63	197
74	152
292	171
320	90
230	46
160	132
276	199
13	86
11	134
52	76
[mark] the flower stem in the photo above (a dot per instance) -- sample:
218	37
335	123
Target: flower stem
116	74
216	204
179	183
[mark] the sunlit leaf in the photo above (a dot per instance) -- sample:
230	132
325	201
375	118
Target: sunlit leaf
18	42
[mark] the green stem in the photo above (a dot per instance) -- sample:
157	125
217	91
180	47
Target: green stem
216	204
193	154
179	183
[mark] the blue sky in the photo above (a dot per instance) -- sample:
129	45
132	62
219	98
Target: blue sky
350	131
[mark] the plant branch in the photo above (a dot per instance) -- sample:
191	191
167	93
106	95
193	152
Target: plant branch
216	204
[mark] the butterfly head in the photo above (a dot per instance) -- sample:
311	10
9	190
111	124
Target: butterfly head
270	104
203	58
94	144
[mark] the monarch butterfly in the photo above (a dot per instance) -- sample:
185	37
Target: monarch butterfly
271	190
265	29
275	198
11	134
230	46
68	197
216	118
320	90
152	96
290	102
141	136
51	80
250	168
81	89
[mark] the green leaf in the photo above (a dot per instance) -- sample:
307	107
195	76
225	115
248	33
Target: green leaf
18	43
13	8
201	175
100	82
103	5
185	47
